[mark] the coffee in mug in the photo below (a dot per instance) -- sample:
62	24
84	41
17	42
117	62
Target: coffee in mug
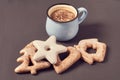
62	15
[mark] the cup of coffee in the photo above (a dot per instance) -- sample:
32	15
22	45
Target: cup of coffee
63	21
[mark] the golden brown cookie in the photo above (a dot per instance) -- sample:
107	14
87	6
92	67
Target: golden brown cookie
100	48
28	64
62	65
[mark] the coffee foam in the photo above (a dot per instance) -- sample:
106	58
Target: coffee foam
66	7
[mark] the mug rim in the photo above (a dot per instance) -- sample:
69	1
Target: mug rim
62	4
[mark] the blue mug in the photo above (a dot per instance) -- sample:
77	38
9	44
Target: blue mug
64	31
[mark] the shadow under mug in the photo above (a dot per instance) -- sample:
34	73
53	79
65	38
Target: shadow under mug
64	31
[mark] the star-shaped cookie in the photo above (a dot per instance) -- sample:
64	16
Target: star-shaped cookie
48	49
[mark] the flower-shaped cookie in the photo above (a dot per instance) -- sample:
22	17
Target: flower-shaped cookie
48	49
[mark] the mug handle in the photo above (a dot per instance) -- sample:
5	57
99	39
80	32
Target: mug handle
84	14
